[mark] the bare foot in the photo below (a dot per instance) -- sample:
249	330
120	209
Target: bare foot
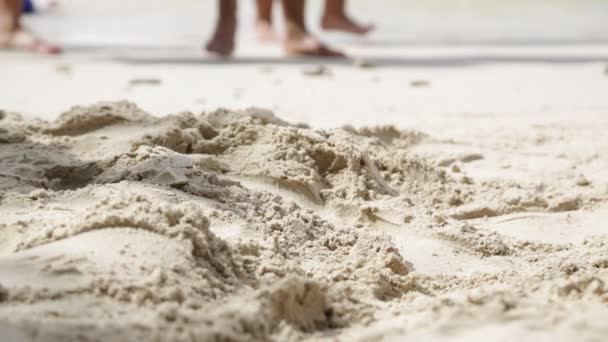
24	40
310	46
345	24
222	42
265	32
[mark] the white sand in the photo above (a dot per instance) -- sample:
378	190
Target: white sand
479	214
237	225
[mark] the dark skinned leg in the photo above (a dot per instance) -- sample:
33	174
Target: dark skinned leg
222	41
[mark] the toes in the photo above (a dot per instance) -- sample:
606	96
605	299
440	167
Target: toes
26	41
219	49
45	48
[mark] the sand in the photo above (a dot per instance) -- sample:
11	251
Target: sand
239	225
447	183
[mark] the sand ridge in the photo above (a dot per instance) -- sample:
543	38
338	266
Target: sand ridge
237	225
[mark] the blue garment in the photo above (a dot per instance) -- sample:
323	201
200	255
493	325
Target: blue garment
28	6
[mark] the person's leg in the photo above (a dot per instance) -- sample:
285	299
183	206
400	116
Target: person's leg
298	40
13	35
222	41
335	18
263	22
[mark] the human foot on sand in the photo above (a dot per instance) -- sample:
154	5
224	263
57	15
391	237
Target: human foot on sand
222	41
299	41
23	40
308	45
331	22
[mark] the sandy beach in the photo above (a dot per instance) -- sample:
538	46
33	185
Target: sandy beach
434	186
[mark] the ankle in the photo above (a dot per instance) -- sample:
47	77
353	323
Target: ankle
226	25
264	19
294	32
333	17
263	22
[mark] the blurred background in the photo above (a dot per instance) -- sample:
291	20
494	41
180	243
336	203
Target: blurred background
535	60
185	22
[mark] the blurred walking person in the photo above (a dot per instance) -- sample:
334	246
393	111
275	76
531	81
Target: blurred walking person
298	40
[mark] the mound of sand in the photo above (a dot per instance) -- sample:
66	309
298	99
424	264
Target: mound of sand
236	225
